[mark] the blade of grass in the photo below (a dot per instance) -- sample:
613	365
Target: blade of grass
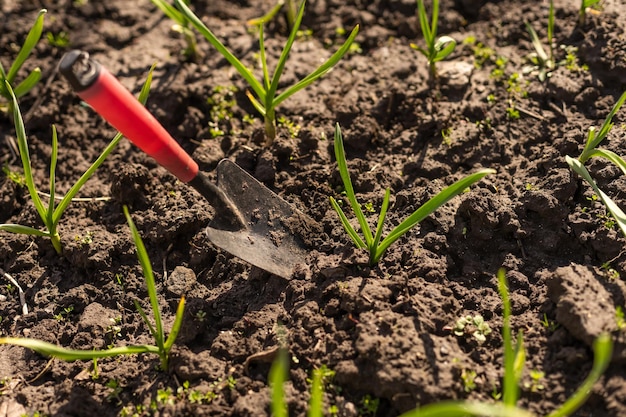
146	266
464	409
48	349
22	145
28	83
602	350
429	207
594	140
25	230
317	395
340	155
347	226
277	377
178	322
616	212
29	44
320	71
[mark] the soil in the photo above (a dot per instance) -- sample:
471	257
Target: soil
385	330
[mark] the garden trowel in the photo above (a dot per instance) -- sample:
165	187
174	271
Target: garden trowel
251	222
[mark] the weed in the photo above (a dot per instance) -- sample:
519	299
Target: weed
64	314
60	39
51	213
535	385
267	98
476	326
372	242
115	390
548	324
14	176
8	89
591	150
571	59
437	49
369	406
468	377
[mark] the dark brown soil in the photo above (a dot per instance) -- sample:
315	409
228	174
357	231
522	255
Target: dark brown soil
384	330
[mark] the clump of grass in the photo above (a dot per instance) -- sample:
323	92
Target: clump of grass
437	49
373	242
50	212
264	95
8	78
592	150
163	345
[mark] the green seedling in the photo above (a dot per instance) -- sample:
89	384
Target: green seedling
181	25
591	150
514	358
582	12
163	344
476	326
264	96
52	212
372	241
8	89
543	62
437	49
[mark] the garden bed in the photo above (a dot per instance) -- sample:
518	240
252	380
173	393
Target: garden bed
385	330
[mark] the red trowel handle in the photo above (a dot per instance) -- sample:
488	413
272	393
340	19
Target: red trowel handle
104	93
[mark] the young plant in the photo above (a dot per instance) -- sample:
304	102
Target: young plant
582	12
372	241
51	213
8	78
540	59
591	150
514	358
181	25
437	49
163	345
264	96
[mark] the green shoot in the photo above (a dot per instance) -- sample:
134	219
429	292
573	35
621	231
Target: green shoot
437	49
594	138
35	75
277	377
49	213
264	96
181	25
372	241
163	345
582	12
514	358
540	59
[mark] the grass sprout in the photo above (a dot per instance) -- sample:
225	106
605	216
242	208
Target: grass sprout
50	212
541	60
264	95
8	78
373	241
181	25
591	150
437	49
514	358
163	344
